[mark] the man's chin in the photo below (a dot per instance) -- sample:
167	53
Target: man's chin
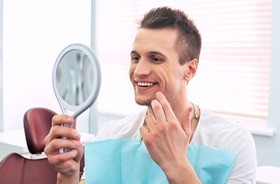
143	102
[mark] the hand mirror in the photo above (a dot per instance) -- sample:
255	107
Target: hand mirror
76	79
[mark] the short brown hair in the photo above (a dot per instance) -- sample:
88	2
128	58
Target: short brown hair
189	38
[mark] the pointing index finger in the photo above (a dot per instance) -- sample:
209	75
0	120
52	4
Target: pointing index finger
169	114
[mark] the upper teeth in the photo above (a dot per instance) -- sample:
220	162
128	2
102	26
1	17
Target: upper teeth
145	84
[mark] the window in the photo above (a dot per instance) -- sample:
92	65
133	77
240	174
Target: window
233	73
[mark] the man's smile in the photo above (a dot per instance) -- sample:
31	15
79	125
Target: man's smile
145	84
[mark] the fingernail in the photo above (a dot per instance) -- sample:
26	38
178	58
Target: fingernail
158	94
75	153
77	135
77	144
68	119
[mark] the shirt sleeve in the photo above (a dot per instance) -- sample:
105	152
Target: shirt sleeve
244	170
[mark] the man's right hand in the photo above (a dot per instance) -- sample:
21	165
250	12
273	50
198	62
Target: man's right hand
67	163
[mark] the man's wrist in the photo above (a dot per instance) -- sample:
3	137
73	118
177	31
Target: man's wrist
182	173
62	179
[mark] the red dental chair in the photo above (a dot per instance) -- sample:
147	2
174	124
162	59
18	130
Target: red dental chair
18	169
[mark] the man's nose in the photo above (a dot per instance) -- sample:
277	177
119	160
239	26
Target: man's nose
142	68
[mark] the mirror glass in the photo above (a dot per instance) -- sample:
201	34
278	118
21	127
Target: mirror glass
76	79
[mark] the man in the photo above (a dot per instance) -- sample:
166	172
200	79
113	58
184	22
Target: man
164	58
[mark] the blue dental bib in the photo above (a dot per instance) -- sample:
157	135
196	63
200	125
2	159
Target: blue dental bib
126	161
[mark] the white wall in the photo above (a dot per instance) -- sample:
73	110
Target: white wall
268	148
34	32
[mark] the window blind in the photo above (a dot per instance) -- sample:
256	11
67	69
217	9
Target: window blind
233	71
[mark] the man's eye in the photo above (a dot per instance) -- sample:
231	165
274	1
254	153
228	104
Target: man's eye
135	59
156	60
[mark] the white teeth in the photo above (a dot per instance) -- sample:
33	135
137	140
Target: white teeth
144	84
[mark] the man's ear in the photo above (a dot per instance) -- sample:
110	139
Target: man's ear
191	69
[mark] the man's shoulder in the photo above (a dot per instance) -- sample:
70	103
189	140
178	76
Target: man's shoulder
229	134
215	122
129	119
127	127
220	131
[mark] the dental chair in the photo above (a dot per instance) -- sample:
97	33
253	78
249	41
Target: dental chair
34	168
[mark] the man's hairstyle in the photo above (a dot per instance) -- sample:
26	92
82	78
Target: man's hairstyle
189	39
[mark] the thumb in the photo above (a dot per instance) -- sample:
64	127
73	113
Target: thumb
186	121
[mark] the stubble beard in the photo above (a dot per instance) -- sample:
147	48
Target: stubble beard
143	102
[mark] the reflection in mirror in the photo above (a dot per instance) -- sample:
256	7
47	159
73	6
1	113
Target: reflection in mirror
74	77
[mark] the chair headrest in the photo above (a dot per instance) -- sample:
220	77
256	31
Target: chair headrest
37	124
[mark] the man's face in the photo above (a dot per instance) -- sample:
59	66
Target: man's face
155	66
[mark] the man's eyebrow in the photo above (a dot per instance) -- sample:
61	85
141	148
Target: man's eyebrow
133	52
156	52
151	53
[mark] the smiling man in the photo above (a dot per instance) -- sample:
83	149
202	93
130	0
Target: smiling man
164	58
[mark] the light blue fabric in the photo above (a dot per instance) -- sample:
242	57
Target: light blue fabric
126	161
